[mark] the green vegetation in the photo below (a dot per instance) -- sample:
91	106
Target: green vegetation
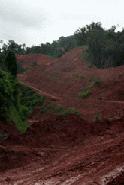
11	63
11	108
30	99
85	93
103	47
59	110
18	101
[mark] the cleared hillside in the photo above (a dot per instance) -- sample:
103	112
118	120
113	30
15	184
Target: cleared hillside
71	149
69	76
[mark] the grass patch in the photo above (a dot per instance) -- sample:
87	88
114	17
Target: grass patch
85	93
60	110
30	99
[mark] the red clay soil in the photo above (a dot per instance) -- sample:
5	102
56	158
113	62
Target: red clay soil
69	150
62	150
34	59
67	76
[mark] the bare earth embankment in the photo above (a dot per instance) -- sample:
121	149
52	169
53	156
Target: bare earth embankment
71	150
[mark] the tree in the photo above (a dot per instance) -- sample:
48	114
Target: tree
11	63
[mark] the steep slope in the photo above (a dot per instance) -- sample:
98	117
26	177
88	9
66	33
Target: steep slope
68	76
69	150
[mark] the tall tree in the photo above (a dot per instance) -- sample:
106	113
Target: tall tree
11	63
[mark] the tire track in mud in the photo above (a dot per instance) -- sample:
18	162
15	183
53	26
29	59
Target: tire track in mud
83	165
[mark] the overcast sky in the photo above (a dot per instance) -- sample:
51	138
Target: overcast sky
36	21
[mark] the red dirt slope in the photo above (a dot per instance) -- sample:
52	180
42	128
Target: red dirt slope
34	59
67	76
69	150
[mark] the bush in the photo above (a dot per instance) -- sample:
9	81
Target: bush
60	110
16	117
11	63
10	109
29	99
85	93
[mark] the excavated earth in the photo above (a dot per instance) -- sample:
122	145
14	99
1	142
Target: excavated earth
63	150
66	77
68	150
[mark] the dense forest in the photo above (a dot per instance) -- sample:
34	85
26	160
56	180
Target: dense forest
104	47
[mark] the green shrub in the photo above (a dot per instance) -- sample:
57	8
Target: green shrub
15	116
29	100
7	92
60	110
11	63
85	93
10	109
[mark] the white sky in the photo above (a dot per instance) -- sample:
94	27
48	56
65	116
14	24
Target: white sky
36	21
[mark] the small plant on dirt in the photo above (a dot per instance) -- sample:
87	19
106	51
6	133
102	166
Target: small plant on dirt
85	93
30	99
60	110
